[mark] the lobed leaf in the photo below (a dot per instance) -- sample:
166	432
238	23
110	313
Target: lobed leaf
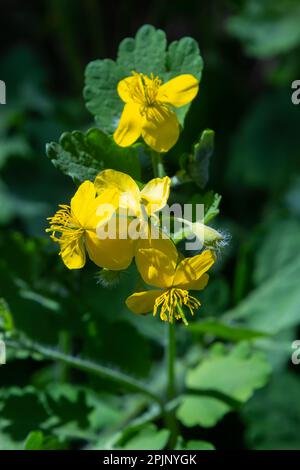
235	374
82	155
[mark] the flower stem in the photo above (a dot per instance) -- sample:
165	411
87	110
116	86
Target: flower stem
171	352
171	421
157	165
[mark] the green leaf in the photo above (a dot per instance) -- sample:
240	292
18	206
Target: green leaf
195	166
212	205
7	210
199	445
67	404
211	202
202	411
37	297
6	319
277	249
193	445
267	28
147	438
81	156
34	441
78	413
146	53
234	374
15	146
237	373
278	347
8	443
229	332
275	304
182	57
272	416
100	93
198	165
22	410
37	440
292	198
256	150
16	206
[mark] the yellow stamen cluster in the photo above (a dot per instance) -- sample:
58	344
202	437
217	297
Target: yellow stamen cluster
143	90
65	224
171	302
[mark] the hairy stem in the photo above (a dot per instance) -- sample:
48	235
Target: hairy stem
171	346
86	366
171	421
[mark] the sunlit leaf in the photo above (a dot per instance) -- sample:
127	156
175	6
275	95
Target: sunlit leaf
202	411
147	438
236	373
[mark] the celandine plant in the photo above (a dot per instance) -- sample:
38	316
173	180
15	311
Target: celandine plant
119	219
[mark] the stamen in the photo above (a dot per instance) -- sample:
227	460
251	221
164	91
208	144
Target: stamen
143	90
170	304
64	223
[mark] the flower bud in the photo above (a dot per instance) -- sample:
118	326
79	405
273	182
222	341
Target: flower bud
108	278
208	235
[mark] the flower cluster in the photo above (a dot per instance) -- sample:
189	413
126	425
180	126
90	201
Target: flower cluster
82	228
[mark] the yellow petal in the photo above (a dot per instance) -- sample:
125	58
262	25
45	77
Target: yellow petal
155	194
89	210
200	284
179	91
110	253
125	188
124	88
73	253
156	261
129	128
160	129
192	269
105	206
82	203
142	302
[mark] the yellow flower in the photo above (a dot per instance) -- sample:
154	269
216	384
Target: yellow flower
148	109
74	228
141	203
161	266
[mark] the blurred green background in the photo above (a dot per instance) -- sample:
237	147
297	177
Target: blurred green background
251	56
